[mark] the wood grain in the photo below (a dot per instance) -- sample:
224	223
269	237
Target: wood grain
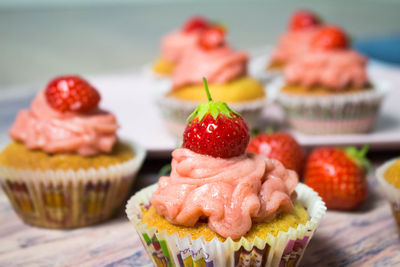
364	238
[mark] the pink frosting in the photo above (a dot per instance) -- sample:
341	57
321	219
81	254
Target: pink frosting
43	127
336	69
231	193
292	44
174	44
219	65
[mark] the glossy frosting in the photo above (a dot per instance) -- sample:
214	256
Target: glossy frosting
292	44
219	65
43	127
175	44
336	69
231	193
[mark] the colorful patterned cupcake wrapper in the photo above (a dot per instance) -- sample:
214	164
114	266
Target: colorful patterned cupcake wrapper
333	114
286	249
69	199
175	112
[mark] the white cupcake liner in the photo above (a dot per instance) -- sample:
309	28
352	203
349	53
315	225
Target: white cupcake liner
70	198
333	114
176	111
171	250
258	66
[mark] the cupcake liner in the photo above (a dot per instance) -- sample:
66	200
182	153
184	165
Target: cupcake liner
68	198
333	114
391	193
258	66
286	249
176	111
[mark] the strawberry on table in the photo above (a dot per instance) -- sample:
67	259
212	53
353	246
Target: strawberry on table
280	146
216	130
339	176
71	93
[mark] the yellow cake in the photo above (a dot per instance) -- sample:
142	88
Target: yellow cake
281	223
17	156
164	67
392	174
237	90
319	90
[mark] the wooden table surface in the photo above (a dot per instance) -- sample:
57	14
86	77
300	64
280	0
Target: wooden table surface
367	237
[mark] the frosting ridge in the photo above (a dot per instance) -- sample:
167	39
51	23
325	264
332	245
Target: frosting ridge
292	44
219	65
174	44
231	193
335	69
42	127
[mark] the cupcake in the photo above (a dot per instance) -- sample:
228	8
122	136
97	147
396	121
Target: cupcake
226	70
296	41
221	206
175	43
388	176
65	167
327	90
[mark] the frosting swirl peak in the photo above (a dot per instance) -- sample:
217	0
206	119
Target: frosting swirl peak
219	65
45	128
334	69
231	193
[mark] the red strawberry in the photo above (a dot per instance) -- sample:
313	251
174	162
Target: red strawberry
216	130
196	23
71	93
212	37
303	19
329	38
280	146
338	175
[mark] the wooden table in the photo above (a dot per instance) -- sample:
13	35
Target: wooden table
367	237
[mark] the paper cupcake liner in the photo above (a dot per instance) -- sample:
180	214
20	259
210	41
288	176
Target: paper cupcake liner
333	114
392	193
258	66
68	198
286	249
176	111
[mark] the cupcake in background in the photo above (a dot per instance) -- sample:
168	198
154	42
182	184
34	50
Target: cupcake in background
226	70
302	26
221	206
327	89
174	44
65	167
388	176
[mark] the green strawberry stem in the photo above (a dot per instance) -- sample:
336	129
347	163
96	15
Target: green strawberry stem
359	156
211	107
207	91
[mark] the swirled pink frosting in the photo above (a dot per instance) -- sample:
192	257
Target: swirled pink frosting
231	193
219	65
175	44
292	44
43	127
336	69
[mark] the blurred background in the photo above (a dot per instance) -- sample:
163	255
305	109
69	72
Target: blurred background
41	39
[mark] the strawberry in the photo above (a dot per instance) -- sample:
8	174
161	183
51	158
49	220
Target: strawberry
329	38
196	23
303	19
280	146
216	130
338	175
212	37
71	93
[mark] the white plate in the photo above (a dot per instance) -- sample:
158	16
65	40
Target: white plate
133	99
